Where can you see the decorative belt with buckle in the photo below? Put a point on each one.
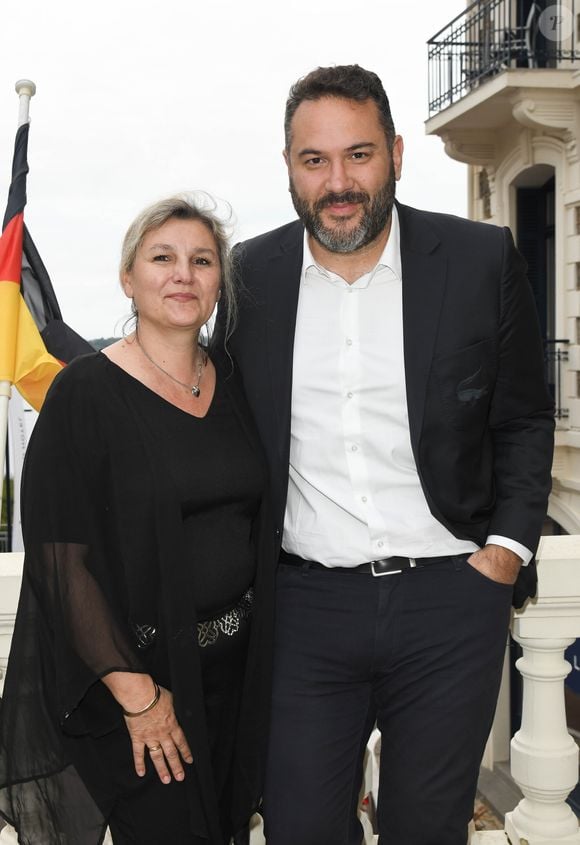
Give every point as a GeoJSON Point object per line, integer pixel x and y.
{"type": "Point", "coordinates": [208, 630]}
{"type": "Point", "coordinates": [228, 623]}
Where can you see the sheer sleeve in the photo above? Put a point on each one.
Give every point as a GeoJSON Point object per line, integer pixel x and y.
{"type": "Point", "coordinates": [72, 565]}
{"type": "Point", "coordinates": [71, 626]}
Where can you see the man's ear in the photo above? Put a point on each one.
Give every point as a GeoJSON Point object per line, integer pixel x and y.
{"type": "Point", "coordinates": [398, 148]}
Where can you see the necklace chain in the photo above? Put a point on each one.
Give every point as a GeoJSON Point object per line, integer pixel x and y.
{"type": "Point", "coordinates": [194, 389]}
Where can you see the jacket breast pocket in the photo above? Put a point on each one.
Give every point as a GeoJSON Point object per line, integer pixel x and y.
{"type": "Point", "coordinates": [465, 379]}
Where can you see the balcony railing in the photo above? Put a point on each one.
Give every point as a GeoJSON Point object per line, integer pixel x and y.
{"type": "Point", "coordinates": [555, 356]}
{"type": "Point", "coordinates": [488, 38]}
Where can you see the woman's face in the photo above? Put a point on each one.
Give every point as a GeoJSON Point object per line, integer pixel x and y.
{"type": "Point", "coordinates": [175, 279]}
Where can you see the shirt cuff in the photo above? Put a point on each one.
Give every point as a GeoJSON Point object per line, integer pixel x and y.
{"type": "Point", "coordinates": [525, 554]}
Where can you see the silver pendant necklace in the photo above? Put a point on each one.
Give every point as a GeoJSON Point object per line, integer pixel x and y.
{"type": "Point", "coordinates": [194, 389]}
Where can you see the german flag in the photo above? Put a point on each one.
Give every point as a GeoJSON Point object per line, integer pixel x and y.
{"type": "Point", "coordinates": [34, 342]}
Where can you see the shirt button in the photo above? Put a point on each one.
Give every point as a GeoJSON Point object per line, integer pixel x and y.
{"type": "Point", "coordinates": [349, 394]}
{"type": "Point", "coordinates": [380, 544]}
{"type": "Point", "coordinates": [354, 448]}
{"type": "Point", "coordinates": [364, 498]}
{"type": "Point", "coordinates": [349, 341]}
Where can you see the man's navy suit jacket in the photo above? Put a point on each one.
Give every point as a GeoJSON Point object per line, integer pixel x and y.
{"type": "Point", "coordinates": [480, 417]}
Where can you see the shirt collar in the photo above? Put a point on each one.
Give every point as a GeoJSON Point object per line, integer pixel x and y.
{"type": "Point", "coordinates": [390, 257]}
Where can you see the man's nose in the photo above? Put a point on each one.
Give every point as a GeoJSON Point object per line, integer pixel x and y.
{"type": "Point", "coordinates": [339, 178]}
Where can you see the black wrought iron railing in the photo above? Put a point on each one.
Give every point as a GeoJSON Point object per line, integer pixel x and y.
{"type": "Point", "coordinates": [491, 36]}
{"type": "Point", "coordinates": [555, 355]}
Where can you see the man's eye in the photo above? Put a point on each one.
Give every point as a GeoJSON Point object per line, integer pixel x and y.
{"type": "Point", "coordinates": [314, 162]}
{"type": "Point", "coordinates": [358, 156]}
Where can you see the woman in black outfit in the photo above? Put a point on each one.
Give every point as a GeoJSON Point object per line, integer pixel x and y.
{"type": "Point", "coordinates": [139, 676]}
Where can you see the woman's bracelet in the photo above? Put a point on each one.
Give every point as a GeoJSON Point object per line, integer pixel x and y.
{"type": "Point", "coordinates": [149, 707]}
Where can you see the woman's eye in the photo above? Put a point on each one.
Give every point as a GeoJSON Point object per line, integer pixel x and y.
{"type": "Point", "coordinates": [161, 258]}
{"type": "Point", "coordinates": [204, 262]}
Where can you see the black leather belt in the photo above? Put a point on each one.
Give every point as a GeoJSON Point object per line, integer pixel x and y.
{"type": "Point", "coordinates": [382, 566]}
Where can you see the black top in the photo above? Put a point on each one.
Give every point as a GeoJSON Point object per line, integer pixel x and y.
{"type": "Point", "coordinates": [106, 549]}
{"type": "Point", "coordinates": [218, 480]}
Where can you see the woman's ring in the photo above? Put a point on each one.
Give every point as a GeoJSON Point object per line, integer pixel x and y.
{"type": "Point", "coordinates": [154, 748]}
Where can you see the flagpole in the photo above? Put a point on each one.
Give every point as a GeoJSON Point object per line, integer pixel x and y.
{"type": "Point", "coordinates": [25, 89]}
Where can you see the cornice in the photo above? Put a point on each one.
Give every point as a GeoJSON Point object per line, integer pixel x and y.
{"type": "Point", "coordinates": [470, 146]}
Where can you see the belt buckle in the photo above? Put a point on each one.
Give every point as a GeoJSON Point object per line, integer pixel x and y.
{"type": "Point", "coordinates": [412, 563]}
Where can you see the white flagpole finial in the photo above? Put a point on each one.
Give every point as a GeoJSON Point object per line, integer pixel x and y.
{"type": "Point", "coordinates": [25, 89]}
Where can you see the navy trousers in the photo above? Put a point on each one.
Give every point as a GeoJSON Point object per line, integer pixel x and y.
{"type": "Point", "coordinates": [419, 653]}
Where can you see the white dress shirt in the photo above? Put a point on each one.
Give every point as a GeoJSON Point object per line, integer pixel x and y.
{"type": "Point", "coordinates": [354, 492]}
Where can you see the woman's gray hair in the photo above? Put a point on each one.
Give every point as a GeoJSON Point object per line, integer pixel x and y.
{"type": "Point", "coordinates": [196, 205]}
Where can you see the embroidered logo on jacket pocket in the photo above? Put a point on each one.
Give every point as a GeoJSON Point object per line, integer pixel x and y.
{"type": "Point", "coordinates": [465, 380]}
{"type": "Point", "coordinates": [468, 391]}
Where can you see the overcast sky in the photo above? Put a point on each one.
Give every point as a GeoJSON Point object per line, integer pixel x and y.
{"type": "Point", "coordinates": [138, 100]}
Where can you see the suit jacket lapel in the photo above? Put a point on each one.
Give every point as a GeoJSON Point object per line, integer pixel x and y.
{"type": "Point", "coordinates": [424, 268]}
{"type": "Point", "coordinates": [232, 386]}
{"type": "Point", "coordinates": [283, 285]}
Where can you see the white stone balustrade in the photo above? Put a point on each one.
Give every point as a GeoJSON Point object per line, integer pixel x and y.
{"type": "Point", "coordinates": [10, 577]}
{"type": "Point", "coordinates": [544, 757]}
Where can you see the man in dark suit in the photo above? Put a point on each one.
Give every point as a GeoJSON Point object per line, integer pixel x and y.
{"type": "Point", "coordinates": [393, 363]}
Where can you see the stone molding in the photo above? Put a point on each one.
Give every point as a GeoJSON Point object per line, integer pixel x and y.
{"type": "Point", "coordinates": [546, 111]}
{"type": "Point", "coordinates": [470, 146]}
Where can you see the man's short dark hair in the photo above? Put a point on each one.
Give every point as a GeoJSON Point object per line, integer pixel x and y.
{"type": "Point", "coordinates": [348, 82]}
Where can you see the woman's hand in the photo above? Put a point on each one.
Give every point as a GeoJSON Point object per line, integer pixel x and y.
{"type": "Point", "coordinates": [158, 734]}
{"type": "Point", "coordinates": [156, 731]}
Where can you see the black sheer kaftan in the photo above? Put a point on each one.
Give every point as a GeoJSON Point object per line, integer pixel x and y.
{"type": "Point", "coordinates": [105, 551]}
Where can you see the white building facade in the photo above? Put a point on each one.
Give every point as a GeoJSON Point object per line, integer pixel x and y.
{"type": "Point", "coordinates": [505, 99]}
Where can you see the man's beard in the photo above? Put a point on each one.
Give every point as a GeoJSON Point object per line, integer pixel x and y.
{"type": "Point", "coordinates": [339, 238]}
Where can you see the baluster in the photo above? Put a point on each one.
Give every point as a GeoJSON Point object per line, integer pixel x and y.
{"type": "Point", "coordinates": [544, 757]}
